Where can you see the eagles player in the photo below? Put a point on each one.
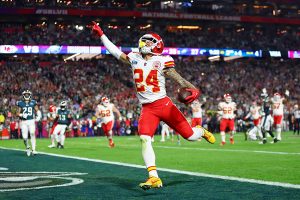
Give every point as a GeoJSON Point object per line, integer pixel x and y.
{"type": "Point", "coordinates": [150, 69]}
{"type": "Point", "coordinates": [28, 112]}
{"type": "Point", "coordinates": [267, 120]}
{"type": "Point", "coordinates": [63, 120]}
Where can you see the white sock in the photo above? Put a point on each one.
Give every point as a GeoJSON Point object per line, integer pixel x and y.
{"type": "Point", "coordinates": [278, 135]}
{"type": "Point", "coordinates": [223, 136]}
{"type": "Point", "coordinates": [162, 136]}
{"type": "Point", "coordinates": [52, 139]}
{"type": "Point", "coordinates": [62, 139]}
{"type": "Point", "coordinates": [198, 132]}
{"type": "Point", "coordinates": [33, 143]}
{"type": "Point", "coordinates": [148, 155]}
{"type": "Point", "coordinates": [26, 143]}
{"type": "Point", "coordinates": [109, 134]}
{"type": "Point", "coordinates": [57, 138]}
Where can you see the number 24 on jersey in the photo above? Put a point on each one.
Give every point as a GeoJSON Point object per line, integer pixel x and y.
{"type": "Point", "coordinates": [151, 80]}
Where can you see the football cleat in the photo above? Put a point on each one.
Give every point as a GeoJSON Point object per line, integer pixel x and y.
{"type": "Point", "coordinates": [222, 143]}
{"type": "Point", "coordinates": [152, 182]}
{"type": "Point", "coordinates": [58, 145]}
{"type": "Point", "coordinates": [51, 146]}
{"type": "Point", "coordinates": [263, 142]}
{"type": "Point", "coordinates": [28, 152]}
{"type": "Point", "coordinates": [231, 141]}
{"type": "Point", "coordinates": [274, 141]}
{"type": "Point", "coordinates": [208, 136]}
{"type": "Point", "coordinates": [34, 153]}
{"type": "Point", "coordinates": [111, 144]}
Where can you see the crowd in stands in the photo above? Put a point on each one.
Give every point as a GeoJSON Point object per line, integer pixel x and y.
{"type": "Point", "coordinates": [249, 37]}
{"type": "Point", "coordinates": [272, 8]}
{"type": "Point", "coordinates": [83, 83]}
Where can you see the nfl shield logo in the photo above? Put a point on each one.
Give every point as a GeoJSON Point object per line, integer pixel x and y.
{"type": "Point", "coordinates": [156, 65]}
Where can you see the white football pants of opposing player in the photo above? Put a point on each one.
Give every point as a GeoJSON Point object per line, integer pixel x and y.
{"type": "Point", "coordinates": [255, 132]}
{"type": "Point", "coordinates": [28, 126]}
{"type": "Point", "coordinates": [60, 128]}
{"type": "Point", "coordinates": [165, 131]}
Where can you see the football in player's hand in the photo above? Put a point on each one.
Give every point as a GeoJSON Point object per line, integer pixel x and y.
{"type": "Point", "coordinates": [182, 94]}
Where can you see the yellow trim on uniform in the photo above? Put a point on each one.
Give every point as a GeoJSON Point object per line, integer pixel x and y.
{"type": "Point", "coordinates": [151, 168]}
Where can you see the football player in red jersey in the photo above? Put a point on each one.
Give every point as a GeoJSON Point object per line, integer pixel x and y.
{"type": "Point", "coordinates": [104, 111]}
{"type": "Point", "coordinates": [150, 69]}
{"type": "Point", "coordinates": [53, 123]}
{"type": "Point", "coordinates": [226, 110]}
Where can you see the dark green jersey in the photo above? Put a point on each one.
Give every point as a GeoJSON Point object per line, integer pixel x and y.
{"type": "Point", "coordinates": [28, 111]}
{"type": "Point", "coordinates": [63, 116]}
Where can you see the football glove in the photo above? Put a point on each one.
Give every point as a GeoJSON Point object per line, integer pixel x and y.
{"type": "Point", "coordinates": [24, 116]}
{"type": "Point", "coordinates": [195, 94]}
{"type": "Point", "coordinates": [287, 93]}
{"type": "Point", "coordinates": [96, 29]}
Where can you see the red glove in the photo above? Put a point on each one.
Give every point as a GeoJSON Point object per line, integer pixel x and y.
{"type": "Point", "coordinates": [195, 94]}
{"type": "Point", "coordinates": [96, 29]}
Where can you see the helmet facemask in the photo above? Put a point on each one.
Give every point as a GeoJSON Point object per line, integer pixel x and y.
{"type": "Point", "coordinates": [277, 96]}
{"type": "Point", "coordinates": [151, 44]}
{"type": "Point", "coordinates": [26, 95]}
{"type": "Point", "coordinates": [105, 101]}
{"type": "Point", "coordinates": [227, 98]}
{"type": "Point", "coordinates": [63, 105]}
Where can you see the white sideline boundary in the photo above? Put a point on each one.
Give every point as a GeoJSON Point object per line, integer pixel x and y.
{"type": "Point", "coordinates": [231, 150]}
{"type": "Point", "coordinates": [231, 178]}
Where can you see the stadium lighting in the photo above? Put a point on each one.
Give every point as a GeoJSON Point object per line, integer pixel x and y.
{"type": "Point", "coordinates": [72, 56]}
{"type": "Point", "coordinates": [188, 27]}
{"type": "Point", "coordinates": [231, 58]}
{"type": "Point", "coordinates": [214, 58]}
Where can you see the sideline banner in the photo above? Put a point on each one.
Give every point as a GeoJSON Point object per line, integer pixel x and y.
{"type": "Point", "coordinates": [65, 49]}
{"type": "Point", "coordinates": [141, 14]}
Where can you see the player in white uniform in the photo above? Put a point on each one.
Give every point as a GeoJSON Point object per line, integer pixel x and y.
{"type": "Point", "coordinates": [226, 110]}
{"type": "Point", "coordinates": [149, 69]}
{"type": "Point", "coordinates": [255, 115]}
{"type": "Point", "coordinates": [196, 113]}
{"type": "Point", "coordinates": [29, 113]}
{"type": "Point", "coordinates": [277, 107]}
{"type": "Point", "coordinates": [296, 119]}
{"type": "Point", "coordinates": [104, 112]}
{"type": "Point", "coordinates": [165, 131]}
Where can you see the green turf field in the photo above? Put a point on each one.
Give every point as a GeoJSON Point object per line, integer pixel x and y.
{"type": "Point", "coordinates": [192, 170]}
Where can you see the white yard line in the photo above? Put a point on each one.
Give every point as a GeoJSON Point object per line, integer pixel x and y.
{"type": "Point", "coordinates": [261, 182]}
{"type": "Point", "coordinates": [230, 150]}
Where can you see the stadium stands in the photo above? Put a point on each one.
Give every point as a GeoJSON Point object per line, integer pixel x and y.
{"type": "Point", "coordinates": [217, 35]}
{"type": "Point", "coordinates": [82, 83]}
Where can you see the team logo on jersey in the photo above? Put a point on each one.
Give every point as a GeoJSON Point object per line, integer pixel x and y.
{"type": "Point", "coordinates": [156, 65]}
{"type": "Point", "coordinates": [14, 181]}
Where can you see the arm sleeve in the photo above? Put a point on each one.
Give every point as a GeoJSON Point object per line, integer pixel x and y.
{"type": "Point", "coordinates": [115, 51]}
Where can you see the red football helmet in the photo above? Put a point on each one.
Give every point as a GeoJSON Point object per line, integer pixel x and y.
{"type": "Point", "coordinates": [105, 101]}
{"type": "Point", "coordinates": [151, 44]}
{"type": "Point", "coordinates": [52, 108]}
{"type": "Point", "coordinates": [277, 96]}
{"type": "Point", "coordinates": [227, 98]}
